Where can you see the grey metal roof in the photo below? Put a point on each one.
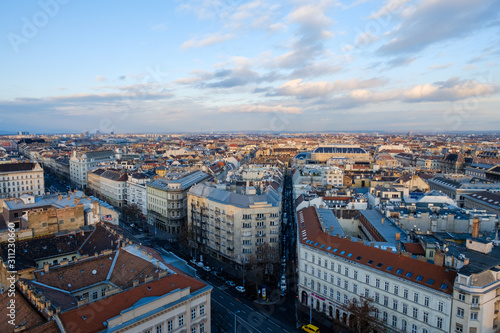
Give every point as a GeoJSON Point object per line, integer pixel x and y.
{"type": "Point", "coordinates": [387, 229]}
{"type": "Point", "coordinates": [185, 182]}
{"type": "Point", "coordinates": [235, 199]}
{"type": "Point", "coordinates": [330, 222]}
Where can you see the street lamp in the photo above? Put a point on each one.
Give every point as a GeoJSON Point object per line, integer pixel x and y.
{"type": "Point", "coordinates": [235, 320]}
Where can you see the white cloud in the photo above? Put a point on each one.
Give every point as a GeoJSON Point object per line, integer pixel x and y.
{"type": "Point", "coordinates": [261, 109]}
{"type": "Point", "coordinates": [323, 88]}
{"type": "Point", "coordinates": [100, 78]}
{"type": "Point", "coordinates": [207, 40]}
{"type": "Point", "coordinates": [437, 67]}
{"type": "Point", "coordinates": [390, 7]}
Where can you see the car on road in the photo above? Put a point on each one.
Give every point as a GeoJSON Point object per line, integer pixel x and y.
{"type": "Point", "coordinates": [214, 273]}
{"type": "Point", "coordinates": [207, 269]}
{"type": "Point", "coordinates": [230, 283]}
{"type": "Point", "coordinates": [310, 328]}
{"type": "Point", "coordinates": [193, 261]}
{"type": "Point", "coordinates": [241, 289]}
{"type": "Point", "coordinates": [199, 264]}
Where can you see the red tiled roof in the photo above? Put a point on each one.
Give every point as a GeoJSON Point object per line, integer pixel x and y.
{"type": "Point", "coordinates": [25, 312]}
{"type": "Point", "coordinates": [310, 231]}
{"type": "Point", "coordinates": [414, 248]}
{"type": "Point", "coordinates": [114, 304]}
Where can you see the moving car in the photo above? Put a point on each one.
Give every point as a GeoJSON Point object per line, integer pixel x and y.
{"type": "Point", "coordinates": [230, 283]}
{"type": "Point", "coordinates": [310, 328]}
{"type": "Point", "coordinates": [207, 269]}
{"type": "Point", "coordinates": [241, 289]}
{"type": "Point", "coordinates": [199, 264]}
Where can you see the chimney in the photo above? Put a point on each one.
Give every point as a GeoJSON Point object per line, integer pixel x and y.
{"type": "Point", "coordinates": [475, 228]}
{"type": "Point", "coordinates": [398, 236]}
{"type": "Point", "coordinates": [382, 221]}
{"type": "Point", "coordinates": [439, 258]}
{"type": "Point", "coordinates": [46, 267]}
{"type": "Point", "coordinates": [60, 197]}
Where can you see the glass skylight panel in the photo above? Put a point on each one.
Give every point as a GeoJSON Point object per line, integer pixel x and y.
{"type": "Point", "coordinates": [420, 278]}
{"type": "Point", "coordinates": [409, 274]}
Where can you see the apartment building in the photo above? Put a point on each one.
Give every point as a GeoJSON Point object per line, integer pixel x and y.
{"type": "Point", "coordinates": [80, 164]}
{"type": "Point", "coordinates": [324, 152]}
{"type": "Point", "coordinates": [109, 185]}
{"type": "Point", "coordinates": [235, 227]}
{"type": "Point", "coordinates": [484, 200]}
{"type": "Point", "coordinates": [136, 191]}
{"type": "Point", "coordinates": [17, 179]}
{"type": "Point", "coordinates": [476, 303]}
{"type": "Point", "coordinates": [137, 289]}
{"type": "Point", "coordinates": [167, 201]}
{"type": "Point", "coordinates": [456, 188]}
{"type": "Point", "coordinates": [409, 295]}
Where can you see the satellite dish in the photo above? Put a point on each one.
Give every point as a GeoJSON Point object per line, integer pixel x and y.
{"type": "Point", "coordinates": [94, 272]}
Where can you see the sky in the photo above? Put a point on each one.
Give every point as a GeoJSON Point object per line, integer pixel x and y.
{"type": "Point", "coordinates": [231, 65]}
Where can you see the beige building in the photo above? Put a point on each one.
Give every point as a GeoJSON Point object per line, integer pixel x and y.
{"type": "Point", "coordinates": [80, 164]}
{"type": "Point", "coordinates": [167, 201]}
{"type": "Point", "coordinates": [109, 185]}
{"type": "Point", "coordinates": [21, 178]}
{"type": "Point", "coordinates": [235, 227]}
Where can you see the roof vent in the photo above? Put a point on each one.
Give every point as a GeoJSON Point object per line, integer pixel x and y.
{"type": "Point", "coordinates": [94, 272]}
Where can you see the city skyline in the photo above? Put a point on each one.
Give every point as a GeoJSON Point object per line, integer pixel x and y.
{"type": "Point", "coordinates": [203, 66]}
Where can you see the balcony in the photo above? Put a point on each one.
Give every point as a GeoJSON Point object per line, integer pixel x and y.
{"type": "Point", "coordinates": [260, 234]}
{"type": "Point", "coordinates": [474, 306]}
{"type": "Point", "coordinates": [260, 227]}
{"type": "Point", "coordinates": [262, 218]}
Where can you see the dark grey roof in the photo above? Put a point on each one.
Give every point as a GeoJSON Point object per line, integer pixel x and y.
{"type": "Point", "coordinates": [235, 199]}
{"type": "Point", "coordinates": [11, 167]}
{"type": "Point", "coordinates": [486, 198]}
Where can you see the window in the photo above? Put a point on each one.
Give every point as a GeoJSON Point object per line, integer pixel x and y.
{"type": "Point", "coordinates": [377, 283]}
{"type": "Point", "coordinates": [193, 329]}
{"type": "Point", "coordinates": [181, 320]}
{"type": "Point", "coordinates": [159, 329]}
{"type": "Point", "coordinates": [338, 282]}
{"type": "Point", "coordinates": [338, 296]}
{"type": "Point", "coordinates": [439, 323]}
{"type": "Point", "coordinates": [473, 316]}
{"type": "Point", "coordinates": [426, 301]}
{"type": "Point", "coordinates": [332, 266]}
{"type": "Point", "coordinates": [355, 288]}
{"type": "Point", "coordinates": [325, 276]}
{"type": "Point", "coordinates": [413, 328]}
{"type": "Point", "coordinates": [386, 286]}
{"type": "Point", "coordinates": [319, 273]}
{"type": "Point", "coordinates": [332, 279]}
{"type": "Point", "coordinates": [459, 328]}
{"type": "Point", "coordinates": [103, 292]}
{"type": "Point", "coordinates": [403, 325]}
{"type": "Point", "coordinates": [94, 295]}
{"type": "Point", "coordinates": [331, 293]}
{"type": "Point", "coordinates": [426, 317]}
{"type": "Point", "coordinates": [460, 312]}
{"type": "Point", "coordinates": [346, 271]}
{"type": "Point", "coordinates": [377, 297]}
{"type": "Point", "coordinates": [193, 313]}
{"type": "Point", "coordinates": [384, 317]}
{"type": "Point", "coordinates": [415, 313]}
{"type": "Point", "coordinates": [395, 304]}
{"type": "Point", "coordinates": [345, 299]}
{"type": "Point", "coordinates": [441, 306]}
{"type": "Point", "coordinates": [475, 301]}
{"type": "Point", "coordinates": [325, 289]}
{"type": "Point", "coordinates": [396, 290]}
{"type": "Point", "coordinates": [415, 297]}
{"type": "Point", "coordinates": [394, 321]}
{"type": "Point", "coordinates": [376, 313]}
{"type": "Point", "coordinates": [386, 301]}
{"type": "Point", "coordinates": [461, 297]}
{"type": "Point", "coordinates": [405, 293]}
{"type": "Point", "coordinates": [202, 328]}
{"type": "Point", "coordinates": [346, 284]}
{"type": "Point", "coordinates": [367, 279]}
{"type": "Point", "coordinates": [355, 275]}
{"type": "Point", "coordinates": [202, 310]}
{"type": "Point", "coordinates": [405, 308]}
{"type": "Point", "coordinates": [367, 293]}
{"type": "Point", "coordinates": [339, 268]}
{"type": "Point", "coordinates": [170, 325]}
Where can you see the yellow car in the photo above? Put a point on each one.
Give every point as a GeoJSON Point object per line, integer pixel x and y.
{"type": "Point", "coordinates": [310, 328]}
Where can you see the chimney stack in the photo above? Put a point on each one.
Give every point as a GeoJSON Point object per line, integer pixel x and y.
{"type": "Point", "coordinates": [475, 228]}
{"type": "Point", "coordinates": [46, 267]}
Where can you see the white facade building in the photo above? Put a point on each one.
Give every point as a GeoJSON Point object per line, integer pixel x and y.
{"type": "Point", "coordinates": [21, 178]}
{"type": "Point", "coordinates": [79, 165]}
{"type": "Point", "coordinates": [136, 191]}
{"type": "Point", "coordinates": [410, 295]}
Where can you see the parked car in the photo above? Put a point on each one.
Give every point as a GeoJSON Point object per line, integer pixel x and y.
{"type": "Point", "coordinates": [193, 261]}
{"type": "Point", "coordinates": [207, 269]}
{"type": "Point", "coordinates": [310, 328]}
{"type": "Point", "coordinates": [230, 283]}
{"type": "Point", "coordinates": [199, 264]}
{"type": "Point", "coordinates": [241, 289]}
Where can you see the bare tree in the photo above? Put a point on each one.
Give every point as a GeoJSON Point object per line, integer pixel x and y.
{"type": "Point", "coordinates": [363, 318]}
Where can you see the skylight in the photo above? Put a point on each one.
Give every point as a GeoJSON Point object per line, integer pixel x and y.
{"type": "Point", "coordinates": [349, 255]}
{"type": "Point", "coordinates": [316, 244]}
{"type": "Point", "coordinates": [389, 268]}
{"type": "Point", "coordinates": [430, 282]}
{"type": "Point", "coordinates": [409, 274]}
{"type": "Point", "coordinates": [444, 286]}
{"type": "Point", "coordinates": [322, 246]}
{"type": "Point", "coordinates": [342, 252]}
{"type": "Point", "coordinates": [420, 278]}
{"type": "Point", "coordinates": [379, 264]}
{"type": "Point", "coordinates": [329, 248]}
{"type": "Point", "coordinates": [335, 250]}
{"type": "Point", "coordinates": [370, 262]}
{"type": "Point", "coordinates": [358, 258]}
{"type": "Point", "coordinates": [399, 271]}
